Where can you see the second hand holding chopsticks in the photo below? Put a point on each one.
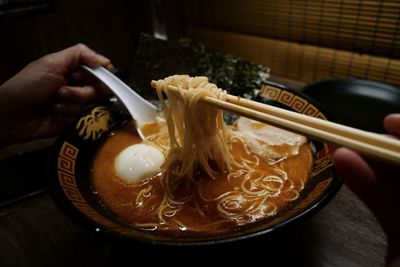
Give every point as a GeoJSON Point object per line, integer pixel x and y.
{"type": "Point", "coordinates": [367, 143]}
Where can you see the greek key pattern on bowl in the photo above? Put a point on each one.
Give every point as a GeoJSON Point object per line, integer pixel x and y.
{"type": "Point", "coordinates": [67, 157]}
{"type": "Point", "coordinates": [67, 179]}
{"type": "Point", "coordinates": [292, 100]}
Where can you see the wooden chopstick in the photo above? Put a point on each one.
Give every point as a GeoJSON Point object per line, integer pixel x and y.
{"type": "Point", "coordinates": [367, 143]}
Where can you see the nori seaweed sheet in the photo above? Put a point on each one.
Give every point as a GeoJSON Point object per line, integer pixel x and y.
{"type": "Point", "coordinates": [156, 59]}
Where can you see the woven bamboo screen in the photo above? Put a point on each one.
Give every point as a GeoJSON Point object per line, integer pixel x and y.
{"type": "Point", "coordinates": [304, 40]}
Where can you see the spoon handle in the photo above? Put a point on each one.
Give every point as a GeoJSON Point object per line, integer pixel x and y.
{"type": "Point", "coordinates": [141, 110]}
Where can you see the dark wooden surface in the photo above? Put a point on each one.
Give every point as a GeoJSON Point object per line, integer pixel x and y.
{"type": "Point", "coordinates": [35, 232]}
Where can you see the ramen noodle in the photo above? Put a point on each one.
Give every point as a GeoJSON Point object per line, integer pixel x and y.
{"type": "Point", "coordinates": [200, 175]}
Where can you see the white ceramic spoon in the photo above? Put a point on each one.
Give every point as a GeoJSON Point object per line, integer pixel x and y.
{"type": "Point", "coordinates": [140, 109]}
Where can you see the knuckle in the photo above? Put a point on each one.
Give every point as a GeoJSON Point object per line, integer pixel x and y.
{"type": "Point", "coordinates": [81, 46]}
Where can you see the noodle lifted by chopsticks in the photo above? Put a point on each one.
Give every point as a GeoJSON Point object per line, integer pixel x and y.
{"type": "Point", "coordinates": [198, 134]}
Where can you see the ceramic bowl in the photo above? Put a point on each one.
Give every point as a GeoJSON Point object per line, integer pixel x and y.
{"type": "Point", "coordinates": [342, 96]}
{"type": "Point", "coordinates": [71, 161]}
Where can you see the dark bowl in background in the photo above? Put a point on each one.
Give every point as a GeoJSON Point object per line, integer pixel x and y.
{"type": "Point", "coordinates": [358, 103]}
{"type": "Point", "coordinates": [71, 160]}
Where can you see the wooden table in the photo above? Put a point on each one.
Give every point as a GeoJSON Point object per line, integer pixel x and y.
{"type": "Point", "coordinates": [35, 232]}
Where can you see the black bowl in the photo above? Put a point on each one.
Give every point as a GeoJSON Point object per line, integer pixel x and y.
{"type": "Point", "coordinates": [358, 103]}
{"type": "Point", "coordinates": [69, 177]}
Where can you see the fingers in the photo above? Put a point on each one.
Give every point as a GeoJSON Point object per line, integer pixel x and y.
{"type": "Point", "coordinates": [81, 54]}
{"type": "Point", "coordinates": [71, 110]}
{"type": "Point", "coordinates": [78, 95]}
{"type": "Point", "coordinates": [83, 94]}
{"type": "Point", "coordinates": [89, 57]}
{"type": "Point", "coordinates": [392, 124]}
{"type": "Point", "coordinates": [75, 100]}
{"type": "Point", "coordinates": [356, 172]}
{"type": "Point", "coordinates": [70, 59]}
{"type": "Point", "coordinates": [82, 77]}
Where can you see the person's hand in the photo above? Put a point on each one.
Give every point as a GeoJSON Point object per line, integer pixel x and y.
{"type": "Point", "coordinates": [378, 186]}
{"type": "Point", "coordinates": [48, 94]}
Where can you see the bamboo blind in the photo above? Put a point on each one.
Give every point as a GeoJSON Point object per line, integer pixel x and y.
{"type": "Point", "coordinates": [305, 40]}
{"type": "Point", "coordinates": [305, 63]}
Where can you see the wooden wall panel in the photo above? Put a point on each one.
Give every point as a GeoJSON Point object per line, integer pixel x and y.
{"type": "Point", "coordinates": [370, 27]}
{"type": "Point", "coordinates": [299, 62]}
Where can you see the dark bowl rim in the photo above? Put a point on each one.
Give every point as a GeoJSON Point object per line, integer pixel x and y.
{"type": "Point", "coordinates": [300, 92]}
{"type": "Point", "coordinates": [348, 80]}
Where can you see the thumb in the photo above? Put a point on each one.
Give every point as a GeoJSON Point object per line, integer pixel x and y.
{"type": "Point", "coordinates": [73, 57]}
{"type": "Point", "coordinates": [392, 124]}
{"type": "Point", "coordinates": [357, 174]}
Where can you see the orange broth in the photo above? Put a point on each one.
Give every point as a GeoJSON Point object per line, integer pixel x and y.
{"type": "Point", "coordinates": [137, 203]}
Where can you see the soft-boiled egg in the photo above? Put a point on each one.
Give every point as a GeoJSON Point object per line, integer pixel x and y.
{"type": "Point", "coordinates": [269, 141]}
{"type": "Point", "coordinates": [137, 162]}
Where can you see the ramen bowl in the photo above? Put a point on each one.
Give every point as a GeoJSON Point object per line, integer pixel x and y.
{"type": "Point", "coordinates": [74, 151]}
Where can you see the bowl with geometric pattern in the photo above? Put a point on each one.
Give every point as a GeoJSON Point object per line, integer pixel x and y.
{"type": "Point", "coordinates": [74, 152]}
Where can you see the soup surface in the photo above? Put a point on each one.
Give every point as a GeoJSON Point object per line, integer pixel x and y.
{"type": "Point", "coordinates": [203, 204]}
